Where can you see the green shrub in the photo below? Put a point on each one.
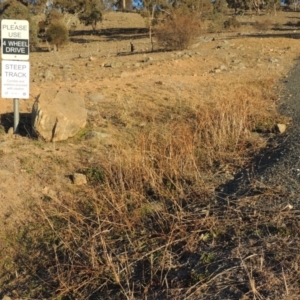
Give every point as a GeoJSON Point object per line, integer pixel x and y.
{"type": "Point", "coordinates": [57, 34]}
{"type": "Point", "coordinates": [177, 33]}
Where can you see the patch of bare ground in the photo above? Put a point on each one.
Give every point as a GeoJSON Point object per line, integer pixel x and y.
{"type": "Point", "coordinates": [171, 128]}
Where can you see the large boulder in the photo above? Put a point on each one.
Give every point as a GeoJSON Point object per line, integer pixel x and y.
{"type": "Point", "coordinates": [58, 115]}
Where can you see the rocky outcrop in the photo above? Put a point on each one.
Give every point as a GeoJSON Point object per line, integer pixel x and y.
{"type": "Point", "coordinates": [58, 115]}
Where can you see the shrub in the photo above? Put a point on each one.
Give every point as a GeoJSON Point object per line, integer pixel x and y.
{"type": "Point", "coordinates": [262, 26]}
{"type": "Point", "coordinates": [53, 16]}
{"type": "Point", "coordinates": [220, 6]}
{"type": "Point", "coordinates": [217, 23]}
{"type": "Point", "coordinates": [57, 34]}
{"type": "Point", "coordinates": [178, 32]}
{"type": "Point", "coordinates": [232, 23]}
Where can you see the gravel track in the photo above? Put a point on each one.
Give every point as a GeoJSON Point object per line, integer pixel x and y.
{"type": "Point", "coordinates": [277, 166]}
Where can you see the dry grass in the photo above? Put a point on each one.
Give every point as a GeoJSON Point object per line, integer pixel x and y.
{"type": "Point", "coordinates": [125, 235]}
{"type": "Point", "coordinates": [149, 225]}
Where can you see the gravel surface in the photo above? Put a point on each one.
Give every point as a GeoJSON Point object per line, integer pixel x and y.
{"type": "Point", "coordinates": [278, 166]}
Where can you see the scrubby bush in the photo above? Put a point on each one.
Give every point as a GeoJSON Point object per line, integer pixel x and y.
{"type": "Point", "coordinates": [232, 23]}
{"type": "Point", "coordinates": [220, 6]}
{"type": "Point", "coordinates": [263, 26]}
{"type": "Point", "coordinates": [178, 32]}
{"type": "Point", "coordinates": [217, 23]}
{"type": "Point", "coordinates": [18, 11]}
{"type": "Point", "coordinates": [57, 34]}
{"type": "Point", "coordinates": [53, 16]}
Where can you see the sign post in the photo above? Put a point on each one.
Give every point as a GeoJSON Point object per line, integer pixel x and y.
{"type": "Point", "coordinates": [15, 68]}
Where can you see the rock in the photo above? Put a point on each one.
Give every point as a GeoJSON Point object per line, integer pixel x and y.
{"type": "Point", "coordinates": [6, 298]}
{"type": "Point", "coordinates": [96, 97]}
{"type": "Point", "coordinates": [116, 65]}
{"type": "Point", "coordinates": [10, 131]}
{"type": "Point", "coordinates": [273, 60]}
{"type": "Point", "coordinates": [58, 115]}
{"type": "Point", "coordinates": [48, 75]}
{"type": "Point", "coordinates": [125, 74]}
{"type": "Point", "coordinates": [92, 113]}
{"type": "Point", "coordinates": [66, 67]}
{"type": "Point", "coordinates": [149, 58]}
{"type": "Point", "coordinates": [281, 128]}
{"type": "Point", "coordinates": [223, 68]}
{"type": "Point", "coordinates": [79, 179]}
{"type": "Point", "coordinates": [97, 134]}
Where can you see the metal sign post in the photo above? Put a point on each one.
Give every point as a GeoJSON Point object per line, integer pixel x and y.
{"type": "Point", "coordinates": [16, 115]}
{"type": "Point", "coordinates": [15, 71]}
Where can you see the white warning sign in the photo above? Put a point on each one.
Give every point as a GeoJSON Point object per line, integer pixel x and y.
{"type": "Point", "coordinates": [15, 39]}
{"type": "Point", "coordinates": [15, 79]}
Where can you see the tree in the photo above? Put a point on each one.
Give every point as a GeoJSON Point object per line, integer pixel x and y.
{"type": "Point", "coordinates": [125, 5]}
{"type": "Point", "coordinates": [18, 11]}
{"type": "Point", "coordinates": [92, 13]}
{"type": "Point", "coordinates": [89, 12]}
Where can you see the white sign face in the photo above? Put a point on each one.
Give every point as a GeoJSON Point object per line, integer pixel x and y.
{"type": "Point", "coordinates": [15, 39]}
{"type": "Point", "coordinates": [15, 79]}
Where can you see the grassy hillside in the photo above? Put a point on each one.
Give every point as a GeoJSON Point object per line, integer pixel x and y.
{"type": "Point", "coordinates": [166, 131]}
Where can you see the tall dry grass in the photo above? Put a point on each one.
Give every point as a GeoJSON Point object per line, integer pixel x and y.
{"type": "Point", "coordinates": [147, 226]}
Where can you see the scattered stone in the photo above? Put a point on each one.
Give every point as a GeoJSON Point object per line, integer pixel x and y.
{"type": "Point", "coordinates": [66, 67]}
{"type": "Point", "coordinates": [97, 134]}
{"type": "Point", "coordinates": [147, 59]}
{"type": "Point", "coordinates": [185, 56]}
{"type": "Point", "coordinates": [95, 97]}
{"type": "Point", "coordinates": [223, 68]}
{"type": "Point", "coordinates": [58, 115]}
{"type": "Point", "coordinates": [281, 128]}
{"type": "Point", "coordinates": [124, 74]}
{"type": "Point", "coordinates": [188, 53]}
{"type": "Point", "coordinates": [273, 60]}
{"type": "Point", "coordinates": [241, 66]}
{"type": "Point", "coordinates": [107, 65]}
{"type": "Point", "coordinates": [48, 75]}
{"type": "Point", "coordinates": [49, 193]}
{"type": "Point", "coordinates": [92, 113]}
{"type": "Point", "coordinates": [116, 65]}
{"type": "Point", "coordinates": [79, 179]}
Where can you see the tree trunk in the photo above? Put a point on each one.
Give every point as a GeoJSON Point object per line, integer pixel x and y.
{"type": "Point", "coordinates": [150, 27]}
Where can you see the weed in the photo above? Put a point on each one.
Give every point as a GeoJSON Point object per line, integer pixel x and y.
{"type": "Point", "coordinates": [207, 258]}
{"type": "Point", "coordinates": [94, 175]}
